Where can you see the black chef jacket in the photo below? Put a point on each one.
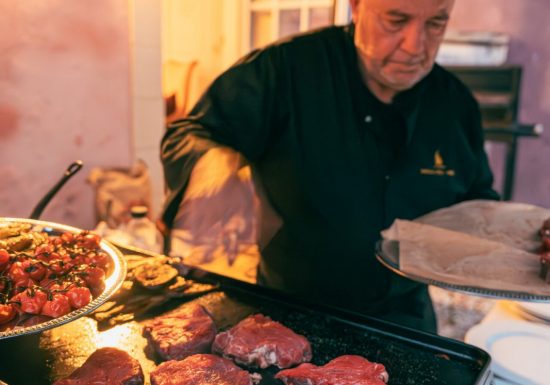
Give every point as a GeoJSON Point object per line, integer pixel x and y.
{"type": "Point", "coordinates": [337, 165]}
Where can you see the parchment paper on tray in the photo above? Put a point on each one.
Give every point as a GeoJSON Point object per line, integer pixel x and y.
{"type": "Point", "coordinates": [459, 258]}
{"type": "Point", "coordinates": [514, 224]}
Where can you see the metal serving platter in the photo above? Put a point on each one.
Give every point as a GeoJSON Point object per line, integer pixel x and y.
{"type": "Point", "coordinates": [387, 252]}
{"type": "Point", "coordinates": [114, 277]}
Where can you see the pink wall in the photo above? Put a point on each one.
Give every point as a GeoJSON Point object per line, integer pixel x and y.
{"type": "Point", "coordinates": [526, 21]}
{"type": "Point", "coordinates": [65, 95]}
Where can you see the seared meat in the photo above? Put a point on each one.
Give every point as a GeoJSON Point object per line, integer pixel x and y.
{"type": "Point", "coordinates": [344, 370]}
{"type": "Point", "coordinates": [106, 366]}
{"type": "Point", "coordinates": [261, 342]}
{"type": "Point", "coordinates": [200, 369]}
{"type": "Point", "coordinates": [187, 330]}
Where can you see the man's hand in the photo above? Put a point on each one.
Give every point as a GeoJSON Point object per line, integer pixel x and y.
{"type": "Point", "coordinates": [218, 208]}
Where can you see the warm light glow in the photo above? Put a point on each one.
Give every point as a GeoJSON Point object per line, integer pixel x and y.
{"type": "Point", "coordinates": [176, 77]}
{"type": "Point", "coordinates": [117, 337]}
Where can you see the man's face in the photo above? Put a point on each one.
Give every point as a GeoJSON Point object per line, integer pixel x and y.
{"type": "Point", "coordinates": [397, 40]}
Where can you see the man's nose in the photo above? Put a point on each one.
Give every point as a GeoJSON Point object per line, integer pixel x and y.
{"type": "Point", "coordinates": [414, 40]}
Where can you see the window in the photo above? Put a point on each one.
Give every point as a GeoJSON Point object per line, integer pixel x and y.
{"type": "Point", "coordinates": [269, 20]}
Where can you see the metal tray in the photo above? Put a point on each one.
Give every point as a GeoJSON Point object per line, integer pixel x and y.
{"type": "Point", "coordinates": [114, 277]}
{"type": "Point", "coordinates": [411, 357]}
{"type": "Point", "coordinates": [387, 252]}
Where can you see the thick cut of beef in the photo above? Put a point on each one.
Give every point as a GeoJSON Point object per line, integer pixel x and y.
{"type": "Point", "coordinates": [200, 369]}
{"type": "Point", "coordinates": [259, 341]}
{"type": "Point", "coordinates": [106, 366]}
{"type": "Point", "coordinates": [187, 330]}
{"type": "Point", "coordinates": [344, 370]}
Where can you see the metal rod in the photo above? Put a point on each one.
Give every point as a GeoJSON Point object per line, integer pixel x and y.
{"type": "Point", "coordinates": [71, 170]}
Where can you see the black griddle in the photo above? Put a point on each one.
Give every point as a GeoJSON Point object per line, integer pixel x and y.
{"type": "Point", "coordinates": [410, 356]}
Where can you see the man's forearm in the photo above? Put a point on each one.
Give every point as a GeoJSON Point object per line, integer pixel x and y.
{"type": "Point", "coordinates": [212, 171]}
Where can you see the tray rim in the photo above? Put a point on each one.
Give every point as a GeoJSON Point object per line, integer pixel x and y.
{"type": "Point", "coordinates": [113, 282]}
{"type": "Point", "coordinates": [383, 250]}
{"type": "Point", "coordinates": [436, 343]}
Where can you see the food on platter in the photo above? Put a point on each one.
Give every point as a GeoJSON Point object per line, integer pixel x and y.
{"type": "Point", "coordinates": [343, 370]}
{"type": "Point", "coordinates": [201, 369]}
{"type": "Point", "coordinates": [258, 341]}
{"type": "Point", "coordinates": [109, 366]}
{"type": "Point", "coordinates": [183, 332]}
{"type": "Point", "coordinates": [43, 277]}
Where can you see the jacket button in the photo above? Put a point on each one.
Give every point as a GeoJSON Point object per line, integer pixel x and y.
{"type": "Point", "coordinates": [368, 119]}
{"type": "Point", "coordinates": [387, 177]}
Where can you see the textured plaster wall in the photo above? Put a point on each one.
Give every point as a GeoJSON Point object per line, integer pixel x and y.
{"type": "Point", "coordinates": [64, 95]}
{"type": "Point", "coordinates": [526, 21]}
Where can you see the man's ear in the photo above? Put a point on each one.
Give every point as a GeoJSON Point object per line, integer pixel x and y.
{"type": "Point", "coordinates": [354, 4]}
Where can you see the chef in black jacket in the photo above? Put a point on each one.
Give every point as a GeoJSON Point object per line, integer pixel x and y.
{"type": "Point", "coordinates": [346, 129]}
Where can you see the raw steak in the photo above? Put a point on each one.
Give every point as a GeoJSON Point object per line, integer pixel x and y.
{"type": "Point", "coordinates": [344, 370]}
{"type": "Point", "coordinates": [187, 330]}
{"type": "Point", "coordinates": [106, 366]}
{"type": "Point", "coordinates": [259, 341]}
{"type": "Point", "coordinates": [200, 369]}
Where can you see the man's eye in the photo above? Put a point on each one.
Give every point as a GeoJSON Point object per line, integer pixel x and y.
{"type": "Point", "coordinates": [436, 27]}
{"type": "Point", "coordinates": [395, 24]}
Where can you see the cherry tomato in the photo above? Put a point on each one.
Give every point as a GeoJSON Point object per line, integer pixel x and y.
{"type": "Point", "coordinates": [57, 287]}
{"type": "Point", "coordinates": [98, 259]}
{"type": "Point", "coordinates": [79, 297]}
{"type": "Point", "coordinates": [58, 306]}
{"type": "Point", "coordinates": [18, 270]}
{"type": "Point", "coordinates": [31, 301]}
{"type": "Point", "coordinates": [7, 312]}
{"type": "Point", "coordinates": [4, 259]}
{"type": "Point", "coordinates": [58, 266]}
{"type": "Point", "coordinates": [43, 251]}
{"type": "Point", "coordinates": [67, 238]}
{"type": "Point", "coordinates": [47, 283]}
{"type": "Point", "coordinates": [36, 270]}
{"type": "Point", "coordinates": [23, 284]}
{"type": "Point", "coordinates": [89, 241]}
{"type": "Point", "coordinates": [93, 276]}
{"type": "Point", "coordinates": [546, 242]}
{"type": "Point", "coordinates": [56, 241]}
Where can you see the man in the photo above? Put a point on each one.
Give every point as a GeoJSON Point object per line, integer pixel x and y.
{"type": "Point", "coordinates": [346, 129]}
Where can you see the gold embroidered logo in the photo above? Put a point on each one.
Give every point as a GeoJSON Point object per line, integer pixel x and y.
{"type": "Point", "coordinates": [439, 167]}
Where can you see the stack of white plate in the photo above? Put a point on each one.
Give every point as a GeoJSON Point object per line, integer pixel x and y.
{"type": "Point", "coordinates": [520, 350]}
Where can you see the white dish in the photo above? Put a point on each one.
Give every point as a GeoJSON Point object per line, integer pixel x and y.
{"type": "Point", "coordinates": [519, 350]}
{"type": "Point", "coordinates": [539, 310]}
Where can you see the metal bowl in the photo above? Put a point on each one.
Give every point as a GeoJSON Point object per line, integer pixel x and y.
{"type": "Point", "coordinates": [114, 277]}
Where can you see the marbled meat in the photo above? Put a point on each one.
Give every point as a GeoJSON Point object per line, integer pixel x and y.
{"type": "Point", "coordinates": [201, 369]}
{"type": "Point", "coordinates": [344, 370]}
{"type": "Point", "coordinates": [106, 366]}
{"type": "Point", "coordinates": [185, 331]}
{"type": "Point", "coordinates": [258, 341]}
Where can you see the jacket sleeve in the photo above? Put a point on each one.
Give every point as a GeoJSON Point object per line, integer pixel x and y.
{"type": "Point", "coordinates": [238, 110]}
{"type": "Point", "coordinates": [482, 186]}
